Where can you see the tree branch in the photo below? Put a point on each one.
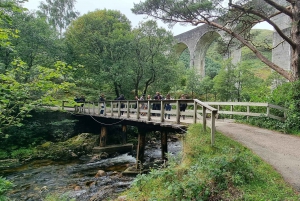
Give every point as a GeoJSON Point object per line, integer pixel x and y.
{"type": "Point", "coordinates": [282, 9]}
{"type": "Point", "coordinates": [286, 38]}
{"type": "Point", "coordinates": [281, 71]}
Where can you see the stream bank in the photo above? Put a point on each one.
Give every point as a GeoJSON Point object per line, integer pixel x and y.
{"type": "Point", "coordinates": [88, 177]}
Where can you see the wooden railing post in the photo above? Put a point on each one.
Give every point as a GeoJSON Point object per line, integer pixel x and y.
{"type": "Point", "coordinates": [248, 111]}
{"type": "Point", "coordinates": [137, 110]}
{"type": "Point", "coordinates": [162, 111]}
{"type": "Point", "coordinates": [119, 108]}
{"type": "Point", "coordinates": [177, 112]}
{"type": "Point", "coordinates": [104, 109]}
{"type": "Point", "coordinates": [195, 113]}
{"type": "Point", "coordinates": [204, 118]}
{"type": "Point", "coordinates": [128, 112]}
{"type": "Point", "coordinates": [148, 111]}
{"type": "Point", "coordinates": [213, 127]}
{"type": "Point", "coordinates": [99, 108]}
{"type": "Point", "coordinates": [63, 105]}
{"type": "Point", "coordinates": [268, 111]}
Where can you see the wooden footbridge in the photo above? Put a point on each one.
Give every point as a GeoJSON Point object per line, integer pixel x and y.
{"type": "Point", "coordinates": [142, 115]}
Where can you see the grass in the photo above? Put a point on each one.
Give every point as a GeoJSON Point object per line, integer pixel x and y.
{"type": "Point", "coordinates": [227, 171]}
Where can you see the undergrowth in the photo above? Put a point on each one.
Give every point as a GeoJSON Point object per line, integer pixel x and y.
{"type": "Point", "coordinates": [227, 171]}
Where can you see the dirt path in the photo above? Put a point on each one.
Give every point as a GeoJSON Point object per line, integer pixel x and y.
{"type": "Point", "coordinates": [279, 150]}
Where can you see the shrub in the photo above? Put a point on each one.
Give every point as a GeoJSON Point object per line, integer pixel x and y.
{"type": "Point", "coordinates": [5, 185]}
{"type": "Point", "coordinates": [3, 154]}
{"type": "Point", "coordinates": [22, 153]}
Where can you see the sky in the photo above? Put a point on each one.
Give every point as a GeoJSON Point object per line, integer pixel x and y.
{"type": "Point", "coordinates": [124, 6]}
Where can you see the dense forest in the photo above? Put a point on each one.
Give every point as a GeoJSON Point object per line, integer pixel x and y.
{"type": "Point", "coordinates": [46, 58]}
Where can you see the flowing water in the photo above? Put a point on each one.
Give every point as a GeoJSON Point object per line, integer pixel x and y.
{"type": "Point", "coordinates": [77, 179]}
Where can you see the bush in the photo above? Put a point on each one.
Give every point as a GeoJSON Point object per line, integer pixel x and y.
{"type": "Point", "coordinates": [22, 153]}
{"type": "Point", "coordinates": [5, 185]}
{"type": "Point", "coordinates": [3, 155]}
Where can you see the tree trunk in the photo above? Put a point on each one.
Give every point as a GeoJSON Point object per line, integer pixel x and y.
{"type": "Point", "coordinates": [116, 90]}
{"type": "Point", "coordinates": [295, 34]}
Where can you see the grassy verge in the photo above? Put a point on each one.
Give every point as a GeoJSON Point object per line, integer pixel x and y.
{"type": "Point", "coordinates": [227, 171]}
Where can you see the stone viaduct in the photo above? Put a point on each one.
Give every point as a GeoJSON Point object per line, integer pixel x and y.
{"type": "Point", "coordinates": [199, 39]}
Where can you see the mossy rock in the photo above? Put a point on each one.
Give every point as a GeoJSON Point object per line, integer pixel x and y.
{"type": "Point", "coordinates": [70, 149]}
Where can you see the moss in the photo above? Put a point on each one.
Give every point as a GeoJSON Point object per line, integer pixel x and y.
{"type": "Point", "coordinates": [69, 149]}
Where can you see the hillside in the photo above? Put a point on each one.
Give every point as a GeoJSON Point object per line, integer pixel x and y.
{"type": "Point", "coordinates": [262, 39]}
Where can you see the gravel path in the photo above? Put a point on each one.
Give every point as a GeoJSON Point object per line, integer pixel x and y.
{"type": "Point", "coordinates": [279, 150]}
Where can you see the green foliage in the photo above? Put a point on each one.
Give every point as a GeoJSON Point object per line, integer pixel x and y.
{"type": "Point", "coordinates": [211, 67]}
{"type": "Point", "coordinates": [293, 104]}
{"type": "Point", "coordinates": [36, 44]}
{"type": "Point", "coordinates": [62, 130]}
{"type": "Point", "coordinates": [5, 185]}
{"type": "Point", "coordinates": [3, 154]}
{"type": "Point", "coordinates": [152, 59]}
{"type": "Point", "coordinates": [22, 153]}
{"type": "Point", "coordinates": [224, 82]}
{"type": "Point", "coordinates": [21, 90]}
{"type": "Point", "coordinates": [265, 122]}
{"type": "Point", "coordinates": [100, 41]}
{"type": "Point", "coordinates": [193, 79]}
{"type": "Point", "coordinates": [227, 172]}
{"type": "Point", "coordinates": [185, 58]}
{"type": "Point", "coordinates": [58, 13]}
{"type": "Point", "coordinates": [6, 7]}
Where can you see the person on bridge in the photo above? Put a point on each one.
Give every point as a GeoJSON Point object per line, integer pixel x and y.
{"type": "Point", "coordinates": [122, 104]}
{"type": "Point", "coordinates": [143, 105]}
{"type": "Point", "coordinates": [102, 102]}
{"type": "Point", "coordinates": [182, 106]}
{"type": "Point", "coordinates": [157, 105]}
{"type": "Point", "coordinates": [168, 106]}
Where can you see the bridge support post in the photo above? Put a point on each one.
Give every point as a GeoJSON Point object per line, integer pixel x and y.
{"type": "Point", "coordinates": [124, 134]}
{"type": "Point", "coordinates": [103, 136]}
{"type": "Point", "coordinates": [164, 145]}
{"type": "Point", "coordinates": [140, 149]}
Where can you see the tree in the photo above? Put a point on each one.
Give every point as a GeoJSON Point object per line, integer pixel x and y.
{"type": "Point", "coordinates": [153, 59]}
{"type": "Point", "coordinates": [224, 82]}
{"type": "Point", "coordinates": [206, 85]}
{"type": "Point", "coordinates": [59, 13]}
{"type": "Point", "coordinates": [193, 79]}
{"type": "Point", "coordinates": [100, 40]}
{"type": "Point", "coordinates": [6, 8]}
{"type": "Point", "coordinates": [236, 20]}
{"type": "Point", "coordinates": [37, 42]}
{"type": "Point", "coordinates": [21, 90]}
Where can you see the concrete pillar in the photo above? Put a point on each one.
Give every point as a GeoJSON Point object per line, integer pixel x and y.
{"type": "Point", "coordinates": [124, 134]}
{"type": "Point", "coordinates": [164, 145]}
{"type": "Point", "coordinates": [103, 136]}
{"type": "Point", "coordinates": [140, 153]}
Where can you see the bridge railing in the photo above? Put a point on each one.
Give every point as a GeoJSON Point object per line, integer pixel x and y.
{"type": "Point", "coordinates": [250, 109]}
{"type": "Point", "coordinates": [147, 109]}
{"type": "Point", "coordinates": [143, 110]}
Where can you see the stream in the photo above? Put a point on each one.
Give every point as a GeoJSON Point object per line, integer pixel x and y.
{"type": "Point", "coordinates": [79, 179]}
